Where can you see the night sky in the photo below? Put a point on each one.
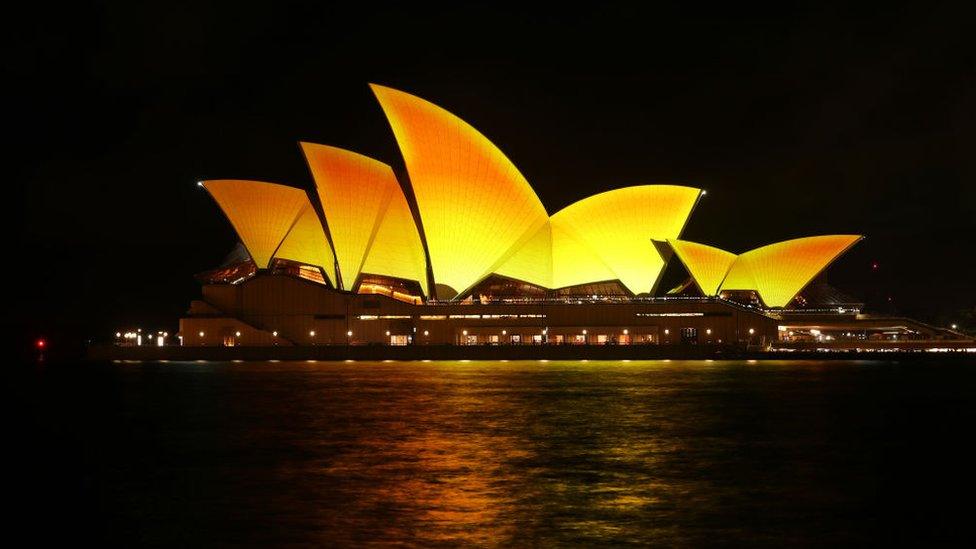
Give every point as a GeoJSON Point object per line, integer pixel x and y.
{"type": "Point", "coordinates": [798, 121]}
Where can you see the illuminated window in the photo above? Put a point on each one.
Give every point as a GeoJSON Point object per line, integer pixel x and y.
{"type": "Point", "coordinates": [400, 290]}
{"type": "Point", "coordinates": [311, 273]}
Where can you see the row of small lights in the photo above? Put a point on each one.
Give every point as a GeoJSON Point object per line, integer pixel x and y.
{"type": "Point", "coordinates": [137, 333]}
{"type": "Point", "coordinates": [137, 336]}
{"type": "Point", "coordinates": [584, 332]}
{"type": "Point", "coordinates": [311, 333]}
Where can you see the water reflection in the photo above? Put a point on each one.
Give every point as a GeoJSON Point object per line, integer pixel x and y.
{"type": "Point", "coordinates": [514, 453]}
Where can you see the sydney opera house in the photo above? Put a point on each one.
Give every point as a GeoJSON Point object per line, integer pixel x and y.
{"type": "Point", "coordinates": [455, 248]}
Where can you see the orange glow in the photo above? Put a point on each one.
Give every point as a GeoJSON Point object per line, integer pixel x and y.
{"type": "Point", "coordinates": [480, 217]}
{"type": "Point", "coordinates": [475, 206]}
{"type": "Point", "coordinates": [270, 217]}
{"type": "Point", "coordinates": [368, 217]}
{"type": "Point", "coordinates": [261, 213]}
{"type": "Point", "coordinates": [617, 227]}
{"type": "Point", "coordinates": [779, 271]}
{"type": "Point", "coordinates": [306, 243]}
{"type": "Point", "coordinates": [706, 265]}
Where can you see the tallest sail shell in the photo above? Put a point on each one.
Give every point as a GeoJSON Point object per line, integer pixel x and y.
{"type": "Point", "coordinates": [476, 208]}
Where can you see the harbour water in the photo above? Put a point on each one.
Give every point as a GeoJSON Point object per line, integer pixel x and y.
{"type": "Point", "coordinates": [497, 453]}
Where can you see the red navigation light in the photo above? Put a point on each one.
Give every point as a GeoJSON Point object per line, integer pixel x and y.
{"type": "Point", "coordinates": [41, 343]}
{"type": "Point", "coordinates": [874, 266]}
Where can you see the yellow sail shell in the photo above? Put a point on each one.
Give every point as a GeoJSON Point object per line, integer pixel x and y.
{"type": "Point", "coordinates": [269, 216]}
{"type": "Point", "coordinates": [707, 265]}
{"type": "Point", "coordinates": [475, 207]}
{"type": "Point", "coordinates": [617, 228]}
{"type": "Point", "coordinates": [779, 271]}
{"type": "Point", "coordinates": [371, 225]}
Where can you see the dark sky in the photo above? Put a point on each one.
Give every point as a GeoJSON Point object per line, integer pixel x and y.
{"type": "Point", "coordinates": [798, 121]}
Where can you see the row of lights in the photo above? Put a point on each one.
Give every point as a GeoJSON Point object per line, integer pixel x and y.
{"type": "Point", "coordinates": [311, 333]}
{"type": "Point", "coordinates": [238, 333]}
{"type": "Point", "coordinates": [138, 332]}
{"type": "Point", "coordinates": [708, 331]}
{"type": "Point", "coordinates": [136, 337]}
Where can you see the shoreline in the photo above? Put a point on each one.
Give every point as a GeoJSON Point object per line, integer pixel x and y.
{"type": "Point", "coordinates": [500, 352]}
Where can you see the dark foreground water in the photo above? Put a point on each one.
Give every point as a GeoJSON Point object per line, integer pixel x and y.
{"type": "Point", "coordinates": [518, 453]}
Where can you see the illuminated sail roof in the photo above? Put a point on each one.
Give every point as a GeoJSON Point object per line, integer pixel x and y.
{"type": "Point", "coordinates": [273, 221]}
{"type": "Point", "coordinates": [573, 262]}
{"type": "Point", "coordinates": [478, 217]}
{"type": "Point", "coordinates": [617, 227]}
{"type": "Point", "coordinates": [779, 271]}
{"type": "Point", "coordinates": [532, 261]}
{"type": "Point", "coordinates": [706, 265]}
{"type": "Point", "coordinates": [368, 217]}
{"type": "Point", "coordinates": [306, 243]}
{"type": "Point", "coordinates": [475, 206]}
